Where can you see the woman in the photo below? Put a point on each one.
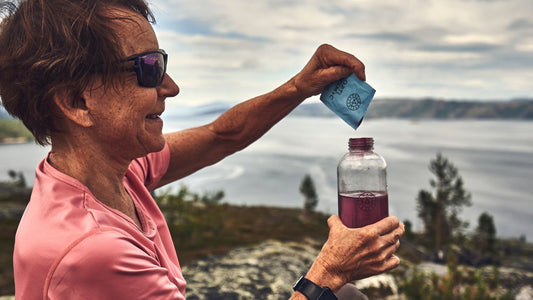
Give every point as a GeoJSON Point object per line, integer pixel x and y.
{"type": "Point", "coordinates": [88, 77]}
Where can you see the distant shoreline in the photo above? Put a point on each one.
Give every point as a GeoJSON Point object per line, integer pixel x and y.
{"type": "Point", "coordinates": [434, 109]}
{"type": "Point", "coordinates": [15, 140]}
{"type": "Point", "coordinates": [13, 131]}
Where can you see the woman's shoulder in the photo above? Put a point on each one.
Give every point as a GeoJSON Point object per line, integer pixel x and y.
{"type": "Point", "coordinates": [150, 168]}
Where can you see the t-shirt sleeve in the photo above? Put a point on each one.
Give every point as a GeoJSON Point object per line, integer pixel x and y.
{"type": "Point", "coordinates": [109, 265]}
{"type": "Point", "coordinates": [151, 168]}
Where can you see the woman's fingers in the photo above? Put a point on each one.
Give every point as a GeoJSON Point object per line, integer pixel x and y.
{"type": "Point", "coordinates": [387, 225]}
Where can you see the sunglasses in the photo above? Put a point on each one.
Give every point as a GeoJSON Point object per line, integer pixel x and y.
{"type": "Point", "coordinates": [150, 67]}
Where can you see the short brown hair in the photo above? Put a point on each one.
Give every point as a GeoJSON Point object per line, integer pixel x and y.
{"type": "Point", "coordinates": [53, 45]}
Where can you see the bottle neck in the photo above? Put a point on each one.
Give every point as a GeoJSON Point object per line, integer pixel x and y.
{"type": "Point", "coordinates": [361, 144]}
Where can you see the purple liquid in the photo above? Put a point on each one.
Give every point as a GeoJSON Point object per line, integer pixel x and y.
{"type": "Point", "coordinates": [362, 208]}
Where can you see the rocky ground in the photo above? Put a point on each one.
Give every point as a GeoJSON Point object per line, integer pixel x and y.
{"type": "Point", "coordinates": [268, 271]}
{"type": "Point", "coordinates": [265, 271]}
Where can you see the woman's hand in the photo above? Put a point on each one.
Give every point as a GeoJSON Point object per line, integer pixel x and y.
{"type": "Point", "coordinates": [328, 64]}
{"type": "Point", "coordinates": [351, 254]}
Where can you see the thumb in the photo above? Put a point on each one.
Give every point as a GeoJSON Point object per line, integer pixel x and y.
{"type": "Point", "coordinates": [334, 221]}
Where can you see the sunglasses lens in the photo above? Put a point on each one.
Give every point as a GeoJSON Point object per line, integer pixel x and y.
{"type": "Point", "coordinates": [152, 69]}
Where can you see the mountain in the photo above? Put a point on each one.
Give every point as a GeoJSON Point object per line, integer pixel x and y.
{"type": "Point", "coordinates": [442, 109]}
{"type": "Point", "coordinates": [404, 108]}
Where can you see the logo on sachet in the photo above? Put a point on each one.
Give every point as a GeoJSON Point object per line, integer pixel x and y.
{"type": "Point", "coordinates": [353, 102]}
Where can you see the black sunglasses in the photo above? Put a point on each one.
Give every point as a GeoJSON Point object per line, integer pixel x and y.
{"type": "Point", "coordinates": [150, 67]}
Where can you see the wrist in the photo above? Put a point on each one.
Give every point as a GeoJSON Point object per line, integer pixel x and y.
{"type": "Point", "coordinates": [312, 291]}
{"type": "Point", "coordinates": [325, 274]}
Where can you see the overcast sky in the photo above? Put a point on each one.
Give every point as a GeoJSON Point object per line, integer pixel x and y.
{"type": "Point", "coordinates": [453, 49]}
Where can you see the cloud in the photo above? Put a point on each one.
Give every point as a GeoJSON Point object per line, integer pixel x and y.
{"type": "Point", "coordinates": [463, 47]}
{"type": "Point", "coordinates": [519, 24]}
{"type": "Point", "coordinates": [396, 37]}
{"type": "Point", "coordinates": [410, 48]}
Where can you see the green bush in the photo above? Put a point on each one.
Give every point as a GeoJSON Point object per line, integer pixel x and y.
{"type": "Point", "coordinates": [459, 283]}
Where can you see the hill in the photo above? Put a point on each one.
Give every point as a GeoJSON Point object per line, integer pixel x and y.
{"type": "Point", "coordinates": [405, 108]}
{"type": "Point", "coordinates": [443, 109]}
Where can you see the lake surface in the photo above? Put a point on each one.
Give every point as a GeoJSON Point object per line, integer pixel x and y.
{"type": "Point", "coordinates": [495, 159]}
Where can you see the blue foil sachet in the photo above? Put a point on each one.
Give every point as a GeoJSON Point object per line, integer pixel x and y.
{"type": "Point", "coordinates": [348, 98]}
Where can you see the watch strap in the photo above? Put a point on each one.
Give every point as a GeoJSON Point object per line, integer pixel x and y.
{"type": "Point", "coordinates": [312, 291]}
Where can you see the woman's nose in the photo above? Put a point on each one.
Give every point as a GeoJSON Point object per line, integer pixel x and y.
{"type": "Point", "coordinates": [168, 88]}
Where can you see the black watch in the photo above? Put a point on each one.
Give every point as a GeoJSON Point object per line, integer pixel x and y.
{"type": "Point", "coordinates": [313, 291]}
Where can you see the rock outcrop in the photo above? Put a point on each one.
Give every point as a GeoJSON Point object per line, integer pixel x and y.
{"type": "Point", "coordinates": [266, 271]}
{"type": "Point", "coordinates": [269, 270]}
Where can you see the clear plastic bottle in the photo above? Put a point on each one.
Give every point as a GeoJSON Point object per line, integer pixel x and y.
{"type": "Point", "coordinates": [362, 184]}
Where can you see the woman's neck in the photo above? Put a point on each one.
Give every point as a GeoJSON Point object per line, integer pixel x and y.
{"type": "Point", "coordinates": [102, 174]}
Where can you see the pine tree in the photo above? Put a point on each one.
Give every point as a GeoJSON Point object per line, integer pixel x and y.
{"type": "Point", "coordinates": [486, 233]}
{"type": "Point", "coordinates": [307, 188]}
{"type": "Point", "coordinates": [440, 211]}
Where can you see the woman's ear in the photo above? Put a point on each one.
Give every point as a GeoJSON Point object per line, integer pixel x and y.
{"type": "Point", "coordinates": [72, 107]}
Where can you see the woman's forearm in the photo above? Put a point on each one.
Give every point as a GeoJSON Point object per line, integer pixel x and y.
{"type": "Point", "coordinates": [249, 120]}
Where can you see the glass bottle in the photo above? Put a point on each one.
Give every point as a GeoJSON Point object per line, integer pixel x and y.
{"type": "Point", "coordinates": [362, 184]}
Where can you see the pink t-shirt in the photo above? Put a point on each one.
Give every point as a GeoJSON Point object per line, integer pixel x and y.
{"type": "Point", "coordinates": [69, 245]}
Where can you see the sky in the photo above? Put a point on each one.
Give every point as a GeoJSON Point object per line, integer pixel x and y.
{"type": "Point", "coordinates": [229, 51]}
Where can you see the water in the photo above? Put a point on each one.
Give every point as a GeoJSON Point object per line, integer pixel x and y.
{"type": "Point", "coordinates": [21, 158]}
{"type": "Point", "coordinates": [495, 159]}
